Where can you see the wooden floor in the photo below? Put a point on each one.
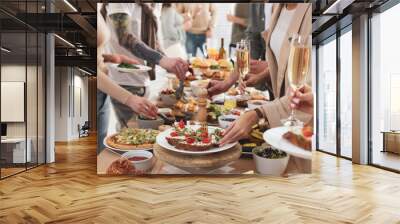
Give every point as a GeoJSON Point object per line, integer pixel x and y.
{"type": "Point", "coordinates": [69, 191]}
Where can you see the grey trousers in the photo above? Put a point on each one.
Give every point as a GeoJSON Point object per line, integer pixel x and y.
{"type": "Point", "coordinates": [103, 114]}
{"type": "Point", "coordinates": [123, 112]}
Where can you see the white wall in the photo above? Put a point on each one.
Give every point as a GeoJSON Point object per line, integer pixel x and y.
{"type": "Point", "coordinates": [71, 94]}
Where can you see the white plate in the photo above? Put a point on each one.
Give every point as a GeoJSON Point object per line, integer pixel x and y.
{"type": "Point", "coordinates": [120, 151]}
{"type": "Point", "coordinates": [274, 138]}
{"type": "Point", "coordinates": [141, 68]}
{"type": "Point", "coordinates": [161, 141]}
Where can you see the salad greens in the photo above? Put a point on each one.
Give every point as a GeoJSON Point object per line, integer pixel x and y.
{"type": "Point", "coordinates": [126, 65]}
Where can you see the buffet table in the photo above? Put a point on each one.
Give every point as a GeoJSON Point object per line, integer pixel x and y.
{"type": "Point", "coordinates": [239, 166]}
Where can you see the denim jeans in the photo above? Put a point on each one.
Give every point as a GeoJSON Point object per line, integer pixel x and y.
{"type": "Point", "coordinates": [194, 41]}
{"type": "Point", "coordinates": [123, 112]}
{"type": "Point", "coordinates": [103, 113]}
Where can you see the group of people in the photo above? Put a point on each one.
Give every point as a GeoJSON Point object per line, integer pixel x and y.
{"type": "Point", "coordinates": [141, 32]}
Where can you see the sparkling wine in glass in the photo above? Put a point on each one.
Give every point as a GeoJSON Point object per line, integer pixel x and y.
{"type": "Point", "coordinates": [243, 59]}
{"type": "Point", "coordinates": [298, 69]}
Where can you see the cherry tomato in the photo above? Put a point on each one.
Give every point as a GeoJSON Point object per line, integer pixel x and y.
{"type": "Point", "coordinates": [204, 134]}
{"type": "Point", "coordinates": [181, 124]}
{"type": "Point", "coordinates": [307, 131]}
{"type": "Point", "coordinates": [206, 140]}
{"type": "Point", "coordinates": [174, 134]}
{"type": "Point", "coordinates": [189, 140]}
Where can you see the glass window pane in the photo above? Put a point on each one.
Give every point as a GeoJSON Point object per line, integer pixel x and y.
{"type": "Point", "coordinates": [327, 97]}
{"type": "Point", "coordinates": [31, 97]}
{"type": "Point", "coordinates": [385, 84]}
{"type": "Point", "coordinates": [346, 94]}
{"type": "Point", "coordinates": [13, 86]}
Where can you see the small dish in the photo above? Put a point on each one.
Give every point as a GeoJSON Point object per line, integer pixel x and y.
{"type": "Point", "coordinates": [270, 166]}
{"type": "Point", "coordinates": [147, 123]}
{"type": "Point", "coordinates": [225, 121]}
{"type": "Point", "coordinates": [142, 160]}
{"type": "Point", "coordinates": [253, 104]}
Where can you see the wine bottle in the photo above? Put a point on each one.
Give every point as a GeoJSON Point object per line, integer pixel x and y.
{"type": "Point", "coordinates": [222, 53]}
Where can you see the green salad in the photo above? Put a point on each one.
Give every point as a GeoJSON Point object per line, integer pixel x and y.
{"type": "Point", "coordinates": [126, 65]}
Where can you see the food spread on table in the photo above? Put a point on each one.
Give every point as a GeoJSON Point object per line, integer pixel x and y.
{"type": "Point", "coordinates": [132, 138]}
{"type": "Point", "coordinates": [188, 137]}
{"type": "Point", "coordinates": [300, 137]}
{"type": "Point", "coordinates": [128, 66]}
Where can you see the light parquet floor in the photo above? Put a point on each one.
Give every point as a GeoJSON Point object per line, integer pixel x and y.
{"type": "Point", "coordinates": [69, 191]}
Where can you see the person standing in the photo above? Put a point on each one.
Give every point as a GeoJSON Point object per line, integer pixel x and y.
{"type": "Point", "coordinates": [203, 17]}
{"type": "Point", "coordinates": [256, 25]}
{"type": "Point", "coordinates": [127, 22]}
{"type": "Point", "coordinates": [239, 21]}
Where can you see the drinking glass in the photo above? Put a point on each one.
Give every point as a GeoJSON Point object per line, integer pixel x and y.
{"type": "Point", "coordinates": [243, 59]}
{"type": "Point", "coordinates": [298, 69]}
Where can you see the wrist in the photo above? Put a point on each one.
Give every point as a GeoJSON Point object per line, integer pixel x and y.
{"type": "Point", "coordinates": [130, 98]}
{"type": "Point", "coordinates": [253, 117]}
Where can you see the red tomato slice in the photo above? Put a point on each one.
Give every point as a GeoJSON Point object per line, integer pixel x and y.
{"type": "Point", "coordinates": [307, 132]}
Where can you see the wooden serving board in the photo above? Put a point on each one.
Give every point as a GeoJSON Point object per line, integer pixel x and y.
{"type": "Point", "coordinates": [213, 160]}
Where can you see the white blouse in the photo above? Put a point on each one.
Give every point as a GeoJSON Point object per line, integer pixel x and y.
{"type": "Point", "coordinates": [281, 28]}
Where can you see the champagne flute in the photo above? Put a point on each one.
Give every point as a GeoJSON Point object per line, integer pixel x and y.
{"type": "Point", "coordinates": [298, 69]}
{"type": "Point", "coordinates": [242, 59]}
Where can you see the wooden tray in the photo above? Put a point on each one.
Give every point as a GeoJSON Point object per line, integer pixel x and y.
{"type": "Point", "coordinates": [213, 160]}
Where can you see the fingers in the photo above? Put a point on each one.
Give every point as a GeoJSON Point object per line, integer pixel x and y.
{"type": "Point", "coordinates": [113, 58]}
{"type": "Point", "coordinates": [228, 135]}
{"type": "Point", "coordinates": [229, 128]}
{"type": "Point", "coordinates": [128, 60]}
{"type": "Point", "coordinates": [212, 87]}
{"type": "Point", "coordinates": [150, 109]}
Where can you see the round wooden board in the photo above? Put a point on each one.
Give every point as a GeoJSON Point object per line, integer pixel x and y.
{"type": "Point", "coordinates": [218, 159]}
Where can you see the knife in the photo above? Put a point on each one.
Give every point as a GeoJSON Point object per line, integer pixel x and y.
{"type": "Point", "coordinates": [179, 90]}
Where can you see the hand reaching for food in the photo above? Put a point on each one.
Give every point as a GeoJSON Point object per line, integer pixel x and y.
{"type": "Point", "coordinates": [178, 66]}
{"type": "Point", "coordinates": [239, 129]}
{"type": "Point", "coordinates": [142, 106]}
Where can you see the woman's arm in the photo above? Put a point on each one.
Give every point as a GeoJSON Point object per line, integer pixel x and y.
{"type": "Point", "coordinates": [131, 42]}
{"type": "Point", "coordinates": [237, 20]}
{"type": "Point", "coordinates": [138, 104]}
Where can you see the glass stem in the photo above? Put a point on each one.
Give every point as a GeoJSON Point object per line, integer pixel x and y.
{"type": "Point", "coordinates": [292, 114]}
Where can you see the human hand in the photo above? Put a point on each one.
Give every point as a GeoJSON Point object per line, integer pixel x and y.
{"type": "Point", "coordinates": [209, 33]}
{"type": "Point", "coordinates": [253, 79]}
{"type": "Point", "coordinates": [239, 129]}
{"type": "Point", "coordinates": [230, 18]}
{"type": "Point", "coordinates": [216, 87]}
{"type": "Point", "coordinates": [187, 25]}
{"type": "Point", "coordinates": [258, 66]}
{"type": "Point", "coordinates": [302, 99]}
{"type": "Point", "coordinates": [178, 66]}
{"type": "Point", "coordinates": [142, 106]}
{"type": "Point", "coordinates": [119, 58]}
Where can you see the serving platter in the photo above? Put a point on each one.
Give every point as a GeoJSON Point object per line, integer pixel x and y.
{"type": "Point", "coordinates": [140, 68]}
{"type": "Point", "coordinates": [161, 141]}
{"type": "Point", "coordinates": [274, 137]}
{"type": "Point", "coordinates": [121, 151]}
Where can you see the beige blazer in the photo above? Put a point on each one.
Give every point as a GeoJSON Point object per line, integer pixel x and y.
{"type": "Point", "coordinates": [279, 108]}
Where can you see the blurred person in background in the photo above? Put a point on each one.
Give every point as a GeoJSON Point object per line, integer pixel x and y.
{"type": "Point", "coordinates": [202, 16]}
{"type": "Point", "coordinates": [256, 25]}
{"type": "Point", "coordinates": [173, 27]}
{"type": "Point", "coordinates": [239, 20]}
